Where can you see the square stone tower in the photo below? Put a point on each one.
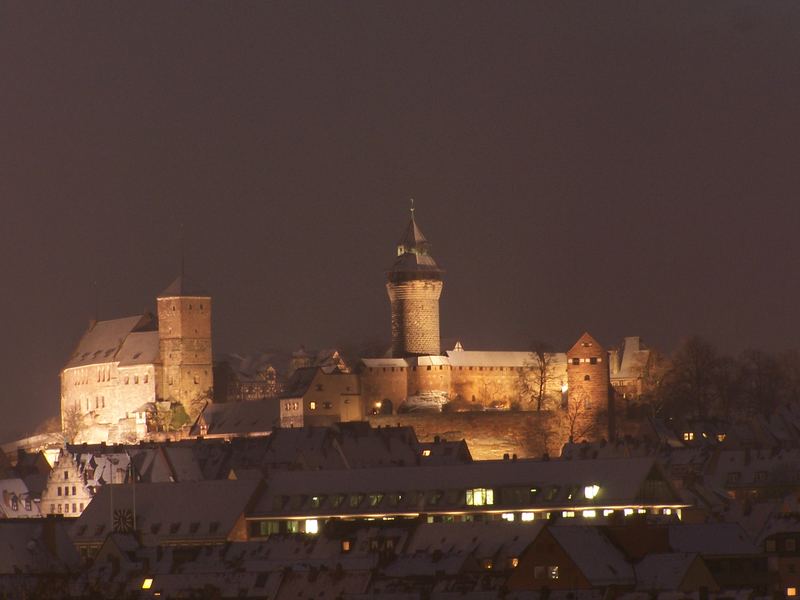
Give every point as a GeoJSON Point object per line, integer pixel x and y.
{"type": "Point", "coordinates": [184, 331]}
{"type": "Point", "coordinates": [588, 398]}
{"type": "Point", "coordinates": [414, 286]}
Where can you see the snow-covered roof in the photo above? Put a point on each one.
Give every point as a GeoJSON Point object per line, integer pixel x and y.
{"type": "Point", "coordinates": [167, 512]}
{"type": "Point", "coordinates": [596, 557]}
{"type": "Point", "coordinates": [139, 348]}
{"type": "Point", "coordinates": [16, 501]}
{"type": "Point", "coordinates": [663, 572]}
{"type": "Point", "coordinates": [103, 340]}
{"type": "Point", "coordinates": [441, 488]}
{"type": "Point", "coordinates": [241, 418]}
{"type": "Point", "coordinates": [384, 362]}
{"type": "Point", "coordinates": [715, 539]}
{"type": "Point", "coordinates": [491, 358]}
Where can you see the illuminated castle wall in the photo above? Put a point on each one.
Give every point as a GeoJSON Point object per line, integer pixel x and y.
{"type": "Point", "coordinates": [471, 379]}
{"type": "Point", "coordinates": [122, 369]}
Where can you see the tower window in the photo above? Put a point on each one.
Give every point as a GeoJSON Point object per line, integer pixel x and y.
{"type": "Point", "coordinates": [576, 361]}
{"type": "Point", "coordinates": [593, 360]}
{"type": "Point", "coordinates": [587, 378]}
{"type": "Point", "coordinates": [429, 368]}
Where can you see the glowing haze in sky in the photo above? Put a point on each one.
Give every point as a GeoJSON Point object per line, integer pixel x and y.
{"type": "Point", "coordinates": [627, 168]}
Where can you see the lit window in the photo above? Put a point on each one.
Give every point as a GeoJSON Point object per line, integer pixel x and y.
{"type": "Point", "coordinates": [552, 572]}
{"type": "Point", "coordinates": [568, 514]}
{"type": "Point", "coordinates": [590, 491]}
{"type": "Point", "coordinates": [480, 496]}
{"type": "Point", "coordinates": [526, 516]}
{"type": "Point", "coordinates": [147, 583]}
{"type": "Point", "coordinates": [513, 562]}
{"type": "Point", "coordinates": [720, 437]}
{"type": "Point", "coordinates": [346, 544]}
{"type": "Point", "coordinates": [791, 591]}
{"type": "Point", "coordinates": [508, 517]}
{"type": "Point", "coordinates": [312, 526]}
{"type": "Point", "coordinates": [315, 501]}
{"type": "Point", "coordinates": [589, 514]}
{"type": "Point", "coordinates": [667, 511]}
{"type": "Point", "coordinates": [312, 405]}
{"type": "Point", "coordinates": [641, 511]}
{"type": "Point", "coordinates": [688, 436]}
{"type": "Point", "coordinates": [628, 512]}
{"type": "Point", "coordinates": [608, 512]}
{"type": "Point", "coordinates": [426, 453]}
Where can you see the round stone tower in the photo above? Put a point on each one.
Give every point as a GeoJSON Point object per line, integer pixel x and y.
{"type": "Point", "coordinates": [414, 286]}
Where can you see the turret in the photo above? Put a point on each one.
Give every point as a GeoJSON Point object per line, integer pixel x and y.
{"type": "Point", "coordinates": [414, 286]}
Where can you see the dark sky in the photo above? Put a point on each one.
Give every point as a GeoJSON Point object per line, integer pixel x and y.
{"type": "Point", "coordinates": [622, 167]}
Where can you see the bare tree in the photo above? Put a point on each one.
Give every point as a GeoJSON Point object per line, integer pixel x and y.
{"type": "Point", "coordinates": [73, 424]}
{"type": "Point", "coordinates": [537, 377]}
{"type": "Point", "coordinates": [580, 420]}
{"type": "Point", "coordinates": [543, 372]}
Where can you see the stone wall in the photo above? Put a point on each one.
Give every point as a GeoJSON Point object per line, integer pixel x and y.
{"type": "Point", "coordinates": [489, 434]}
{"type": "Point", "coordinates": [95, 399]}
{"type": "Point", "coordinates": [415, 316]}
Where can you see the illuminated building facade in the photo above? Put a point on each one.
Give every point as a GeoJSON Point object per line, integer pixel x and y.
{"type": "Point", "coordinates": [510, 490]}
{"type": "Point", "coordinates": [122, 368]}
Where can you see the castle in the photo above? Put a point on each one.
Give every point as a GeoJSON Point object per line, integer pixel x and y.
{"type": "Point", "coordinates": [418, 376]}
{"type": "Point", "coordinates": [137, 375]}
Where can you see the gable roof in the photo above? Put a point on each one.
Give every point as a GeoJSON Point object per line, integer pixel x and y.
{"type": "Point", "coordinates": [254, 417]}
{"type": "Point", "coordinates": [103, 340]}
{"type": "Point", "coordinates": [657, 572]}
{"type": "Point", "coordinates": [196, 510]}
{"type": "Point", "coordinates": [139, 348]}
{"type": "Point", "coordinates": [586, 346]}
{"type": "Point", "coordinates": [596, 557]}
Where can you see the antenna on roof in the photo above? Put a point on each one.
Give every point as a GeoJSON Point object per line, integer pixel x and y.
{"type": "Point", "coordinates": [412, 208]}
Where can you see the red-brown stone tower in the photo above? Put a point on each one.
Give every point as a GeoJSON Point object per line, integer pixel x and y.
{"type": "Point", "coordinates": [414, 286]}
{"type": "Point", "coordinates": [588, 408]}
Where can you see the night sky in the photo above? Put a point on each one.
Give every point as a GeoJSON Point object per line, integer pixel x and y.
{"type": "Point", "coordinates": [627, 168]}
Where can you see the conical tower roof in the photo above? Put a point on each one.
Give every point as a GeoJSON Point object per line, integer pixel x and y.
{"type": "Point", "coordinates": [413, 252]}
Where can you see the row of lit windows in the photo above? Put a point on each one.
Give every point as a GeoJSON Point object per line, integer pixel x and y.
{"type": "Point", "coordinates": [66, 509]}
{"type": "Point", "coordinates": [470, 497]}
{"type": "Point", "coordinates": [452, 368]}
{"type": "Point", "coordinates": [591, 361]}
{"type": "Point", "coordinates": [267, 527]}
{"type": "Point", "coordinates": [325, 405]}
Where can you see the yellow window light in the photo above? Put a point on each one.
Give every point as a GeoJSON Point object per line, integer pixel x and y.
{"type": "Point", "coordinates": [147, 583]}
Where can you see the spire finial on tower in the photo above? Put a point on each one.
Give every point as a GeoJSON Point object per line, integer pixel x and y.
{"type": "Point", "coordinates": [412, 208]}
{"type": "Point", "coordinates": [183, 253]}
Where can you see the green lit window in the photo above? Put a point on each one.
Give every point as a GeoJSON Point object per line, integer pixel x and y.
{"type": "Point", "coordinates": [480, 497]}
